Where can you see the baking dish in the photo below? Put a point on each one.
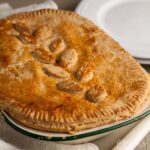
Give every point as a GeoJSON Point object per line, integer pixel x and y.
{"type": "Point", "coordinates": [80, 137]}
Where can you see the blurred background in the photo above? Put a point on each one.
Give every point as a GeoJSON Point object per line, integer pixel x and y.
{"type": "Point", "coordinates": [62, 4]}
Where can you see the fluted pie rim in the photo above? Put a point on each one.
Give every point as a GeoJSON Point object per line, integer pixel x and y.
{"type": "Point", "coordinates": [97, 117]}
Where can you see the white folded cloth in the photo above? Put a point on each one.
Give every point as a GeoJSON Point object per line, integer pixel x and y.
{"type": "Point", "coordinates": [6, 9]}
{"type": "Point", "coordinates": [13, 140]}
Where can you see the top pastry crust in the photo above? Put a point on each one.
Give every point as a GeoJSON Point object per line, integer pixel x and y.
{"type": "Point", "coordinates": [59, 72]}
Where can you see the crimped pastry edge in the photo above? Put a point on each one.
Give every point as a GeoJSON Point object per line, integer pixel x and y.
{"type": "Point", "coordinates": [94, 119]}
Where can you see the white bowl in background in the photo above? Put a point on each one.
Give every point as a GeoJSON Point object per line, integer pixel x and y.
{"type": "Point", "coordinates": [126, 21]}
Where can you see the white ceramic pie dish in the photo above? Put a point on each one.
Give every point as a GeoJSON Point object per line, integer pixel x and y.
{"type": "Point", "coordinates": [127, 21]}
{"type": "Point", "coordinates": [80, 137]}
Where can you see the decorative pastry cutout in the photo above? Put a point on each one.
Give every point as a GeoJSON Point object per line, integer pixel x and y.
{"type": "Point", "coordinates": [26, 38]}
{"type": "Point", "coordinates": [43, 32]}
{"type": "Point", "coordinates": [57, 45]}
{"type": "Point", "coordinates": [84, 73]}
{"type": "Point", "coordinates": [55, 71]}
{"type": "Point", "coordinates": [96, 94]}
{"type": "Point", "coordinates": [69, 86]}
{"type": "Point", "coordinates": [42, 56]}
{"type": "Point", "coordinates": [68, 58]}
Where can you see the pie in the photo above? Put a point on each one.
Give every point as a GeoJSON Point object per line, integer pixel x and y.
{"type": "Point", "coordinates": [61, 73]}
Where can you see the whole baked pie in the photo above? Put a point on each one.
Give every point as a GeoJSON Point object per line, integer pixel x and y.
{"type": "Point", "coordinates": [59, 72]}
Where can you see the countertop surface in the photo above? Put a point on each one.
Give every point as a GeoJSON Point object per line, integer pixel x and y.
{"type": "Point", "coordinates": [70, 5]}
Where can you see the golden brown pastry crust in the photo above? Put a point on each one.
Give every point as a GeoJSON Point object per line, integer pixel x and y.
{"type": "Point", "coordinates": [59, 72]}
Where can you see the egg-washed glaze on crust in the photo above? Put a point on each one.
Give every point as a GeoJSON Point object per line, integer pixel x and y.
{"type": "Point", "coordinates": [59, 72]}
